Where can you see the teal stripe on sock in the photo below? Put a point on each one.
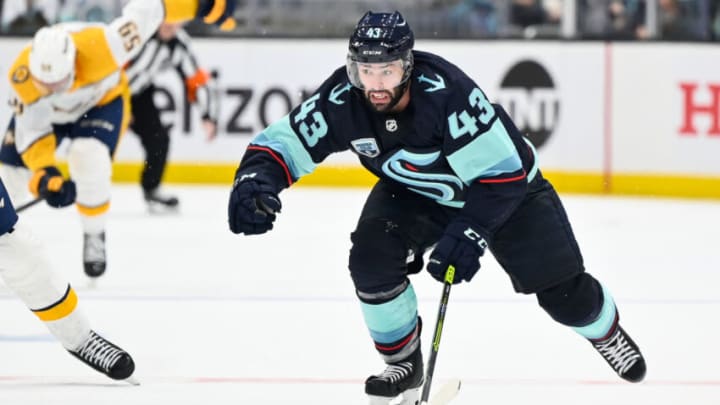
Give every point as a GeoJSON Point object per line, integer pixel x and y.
{"type": "Point", "coordinates": [393, 320]}
{"type": "Point", "coordinates": [600, 326]}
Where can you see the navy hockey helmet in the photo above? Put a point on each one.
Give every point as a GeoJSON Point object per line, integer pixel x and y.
{"type": "Point", "coordinates": [378, 38]}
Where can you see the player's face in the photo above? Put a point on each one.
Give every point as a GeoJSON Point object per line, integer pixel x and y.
{"type": "Point", "coordinates": [380, 82]}
{"type": "Point", "coordinates": [167, 31]}
{"type": "Point", "coordinates": [56, 87]}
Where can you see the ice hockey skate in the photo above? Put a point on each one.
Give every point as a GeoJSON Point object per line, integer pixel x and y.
{"type": "Point", "coordinates": [400, 383]}
{"type": "Point", "coordinates": [105, 357]}
{"type": "Point", "coordinates": [94, 259]}
{"type": "Point", "coordinates": [622, 354]}
{"type": "Point", "coordinates": [158, 202]}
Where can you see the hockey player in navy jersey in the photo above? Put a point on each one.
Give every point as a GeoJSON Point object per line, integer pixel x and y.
{"type": "Point", "coordinates": [456, 177]}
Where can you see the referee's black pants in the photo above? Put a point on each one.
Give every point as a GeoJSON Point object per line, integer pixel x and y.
{"type": "Point", "coordinates": [153, 135]}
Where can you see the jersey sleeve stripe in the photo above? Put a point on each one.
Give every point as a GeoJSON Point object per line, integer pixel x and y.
{"type": "Point", "coordinates": [216, 12]}
{"type": "Point", "coordinates": [40, 153]}
{"type": "Point", "coordinates": [277, 158]}
{"type": "Point", "coordinates": [280, 137]}
{"type": "Point", "coordinates": [508, 180]}
{"type": "Point", "coordinates": [490, 154]}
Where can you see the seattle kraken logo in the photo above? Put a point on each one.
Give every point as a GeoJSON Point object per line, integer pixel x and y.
{"type": "Point", "coordinates": [403, 167]}
{"type": "Point", "coordinates": [366, 147]}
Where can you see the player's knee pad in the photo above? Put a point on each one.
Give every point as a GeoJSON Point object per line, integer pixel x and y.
{"type": "Point", "coordinates": [378, 257]}
{"type": "Point", "coordinates": [91, 169]}
{"type": "Point", "coordinates": [16, 180]}
{"type": "Point", "coordinates": [573, 302]}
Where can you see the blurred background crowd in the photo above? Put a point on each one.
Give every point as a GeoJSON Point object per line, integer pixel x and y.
{"type": "Point", "coordinates": [667, 20]}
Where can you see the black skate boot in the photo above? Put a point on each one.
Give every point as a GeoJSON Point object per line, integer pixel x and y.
{"type": "Point", "coordinates": [94, 259]}
{"type": "Point", "coordinates": [105, 357]}
{"type": "Point", "coordinates": [622, 354]}
{"type": "Point", "coordinates": [158, 202]}
{"type": "Point", "coordinates": [402, 378]}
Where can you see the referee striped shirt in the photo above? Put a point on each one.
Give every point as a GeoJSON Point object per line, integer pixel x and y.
{"type": "Point", "coordinates": [158, 55]}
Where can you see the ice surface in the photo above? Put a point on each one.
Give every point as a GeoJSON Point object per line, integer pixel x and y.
{"type": "Point", "coordinates": [215, 318]}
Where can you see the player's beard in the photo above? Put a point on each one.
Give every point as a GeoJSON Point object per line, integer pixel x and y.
{"type": "Point", "coordinates": [393, 97]}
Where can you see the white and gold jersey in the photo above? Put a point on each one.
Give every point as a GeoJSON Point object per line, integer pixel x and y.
{"type": "Point", "coordinates": [102, 51]}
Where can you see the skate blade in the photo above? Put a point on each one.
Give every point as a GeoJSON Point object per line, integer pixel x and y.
{"type": "Point", "coordinates": [409, 397]}
{"type": "Point", "coordinates": [92, 283]}
{"type": "Point", "coordinates": [132, 381]}
{"type": "Point", "coordinates": [162, 209]}
{"type": "Point", "coordinates": [446, 393]}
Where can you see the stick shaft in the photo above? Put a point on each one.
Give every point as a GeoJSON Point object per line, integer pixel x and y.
{"type": "Point", "coordinates": [28, 204]}
{"type": "Point", "coordinates": [447, 284]}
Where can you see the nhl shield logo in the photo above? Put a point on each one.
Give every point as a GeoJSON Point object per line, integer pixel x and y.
{"type": "Point", "coordinates": [366, 147]}
{"type": "Point", "coordinates": [391, 125]}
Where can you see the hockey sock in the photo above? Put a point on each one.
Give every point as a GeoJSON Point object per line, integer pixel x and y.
{"type": "Point", "coordinates": [91, 168]}
{"type": "Point", "coordinates": [26, 271]}
{"type": "Point", "coordinates": [604, 323]}
{"type": "Point", "coordinates": [392, 319]}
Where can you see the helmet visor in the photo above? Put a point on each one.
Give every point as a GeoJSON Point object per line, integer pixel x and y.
{"type": "Point", "coordinates": [377, 76]}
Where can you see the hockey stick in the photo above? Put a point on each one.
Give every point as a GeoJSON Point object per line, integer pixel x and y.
{"type": "Point", "coordinates": [28, 204]}
{"type": "Point", "coordinates": [448, 391]}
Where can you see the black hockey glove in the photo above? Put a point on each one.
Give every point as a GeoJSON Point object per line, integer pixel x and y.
{"type": "Point", "coordinates": [252, 206]}
{"type": "Point", "coordinates": [49, 184]}
{"type": "Point", "coordinates": [461, 246]}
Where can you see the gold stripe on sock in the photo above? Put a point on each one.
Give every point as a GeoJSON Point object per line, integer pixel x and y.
{"type": "Point", "coordinates": [64, 307]}
{"type": "Point", "coordinates": [93, 211]}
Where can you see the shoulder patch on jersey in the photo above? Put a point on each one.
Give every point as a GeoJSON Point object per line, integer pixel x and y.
{"type": "Point", "coordinates": [366, 147]}
{"type": "Point", "coordinates": [338, 91]}
{"type": "Point", "coordinates": [435, 85]}
{"type": "Point", "coordinates": [21, 74]}
{"type": "Point", "coordinates": [18, 77]}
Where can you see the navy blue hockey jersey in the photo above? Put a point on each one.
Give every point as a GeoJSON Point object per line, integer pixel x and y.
{"type": "Point", "coordinates": [450, 144]}
{"type": "Point", "coordinates": [8, 217]}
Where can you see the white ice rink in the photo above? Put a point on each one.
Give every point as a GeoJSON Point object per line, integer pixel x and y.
{"type": "Point", "coordinates": [213, 318]}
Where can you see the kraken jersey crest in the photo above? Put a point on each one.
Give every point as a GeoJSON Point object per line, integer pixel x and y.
{"type": "Point", "coordinates": [366, 147]}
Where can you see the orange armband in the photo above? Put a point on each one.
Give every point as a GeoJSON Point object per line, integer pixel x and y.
{"type": "Point", "coordinates": [193, 83]}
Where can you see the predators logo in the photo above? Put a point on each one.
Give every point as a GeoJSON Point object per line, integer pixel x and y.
{"type": "Point", "coordinates": [21, 74]}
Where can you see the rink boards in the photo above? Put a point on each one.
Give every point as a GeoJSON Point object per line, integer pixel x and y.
{"type": "Point", "coordinates": [620, 118]}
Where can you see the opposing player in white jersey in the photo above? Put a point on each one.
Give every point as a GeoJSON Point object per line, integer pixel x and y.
{"type": "Point", "coordinates": [26, 270]}
{"type": "Point", "coordinates": [69, 84]}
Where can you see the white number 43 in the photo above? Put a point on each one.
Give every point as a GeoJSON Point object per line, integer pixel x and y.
{"type": "Point", "coordinates": [464, 123]}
